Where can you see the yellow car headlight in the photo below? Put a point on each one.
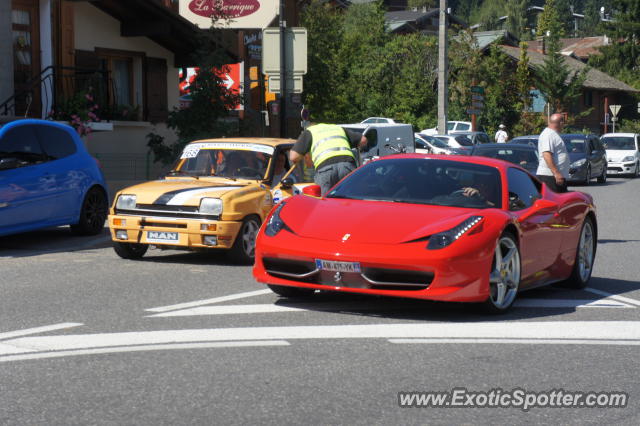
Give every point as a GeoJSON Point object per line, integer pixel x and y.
{"type": "Point", "coordinates": [126, 202]}
{"type": "Point", "coordinates": [211, 206]}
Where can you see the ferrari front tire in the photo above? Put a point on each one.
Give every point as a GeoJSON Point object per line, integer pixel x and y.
{"type": "Point", "coordinates": [131, 251]}
{"type": "Point", "coordinates": [504, 279]}
{"type": "Point", "coordinates": [585, 256]}
{"type": "Point", "coordinates": [293, 292]}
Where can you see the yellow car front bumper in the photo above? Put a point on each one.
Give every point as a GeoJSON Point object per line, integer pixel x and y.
{"type": "Point", "coordinates": [161, 231]}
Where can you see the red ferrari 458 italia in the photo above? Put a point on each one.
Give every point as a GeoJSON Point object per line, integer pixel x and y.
{"type": "Point", "coordinates": [459, 229]}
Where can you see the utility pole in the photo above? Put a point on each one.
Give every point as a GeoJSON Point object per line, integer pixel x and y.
{"type": "Point", "coordinates": [283, 72]}
{"type": "Point", "coordinates": [443, 65]}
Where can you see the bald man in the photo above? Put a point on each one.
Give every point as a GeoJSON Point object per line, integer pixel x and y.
{"type": "Point", "coordinates": [553, 167]}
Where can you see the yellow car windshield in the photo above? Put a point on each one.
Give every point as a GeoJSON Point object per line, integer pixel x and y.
{"type": "Point", "coordinates": [228, 163]}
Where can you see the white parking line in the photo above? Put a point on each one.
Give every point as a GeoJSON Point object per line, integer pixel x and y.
{"type": "Point", "coordinates": [36, 330]}
{"type": "Point", "coordinates": [613, 296]}
{"type": "Point", "coordinates": [141, 348]}
{"type": "Point", "coordinates": [588, 331]}
{"type": "Point", "coordinates": [358, 307]}
{"type": "Point", "coordinates": [209, 301]}
{"type": "Point", "coordinates": [230, 309]}
{"type": "Point", "coordinates": [517, 341]}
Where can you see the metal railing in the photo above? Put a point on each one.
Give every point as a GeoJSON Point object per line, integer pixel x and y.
{"type": "Point", "coordinates": [56, 85]}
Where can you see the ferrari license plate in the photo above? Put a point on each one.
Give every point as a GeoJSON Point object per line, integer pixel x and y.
{"type": "Point", "coordinates": [330, 265]}
{"type": "Point", "coordinates": [162, 237]}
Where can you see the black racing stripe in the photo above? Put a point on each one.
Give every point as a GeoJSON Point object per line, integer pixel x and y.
{"type": "Point", "coordinates": [167, 196]}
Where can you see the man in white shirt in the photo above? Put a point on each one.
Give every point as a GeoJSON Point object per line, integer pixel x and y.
{"type": "Point", "coordinates": [501, 134]}
{"type": "Point", "coordinates": [553, 168]}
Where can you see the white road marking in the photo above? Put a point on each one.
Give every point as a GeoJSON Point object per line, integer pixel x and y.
{"type": "Point", "coordinates": [358, 307]}
{"type": "Point", "coordinates": [517, 341]}
{"type": "Point", "coordinates": [613, 296]}
{"type": "Point", "coordinates": [209, 301]}
{"type": "Point", "coordinates": [42, 329]}
{"type": "Point", "coordinates": [588, 331]}
{"type": "Point", "coordinates": [569, 303]}
{"type": "Point", "coordinates": [142, 348]}
{"type": "Point", "coordinates": [230, 309]}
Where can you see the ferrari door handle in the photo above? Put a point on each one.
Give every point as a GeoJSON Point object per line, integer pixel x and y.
{"type": "Point", "coordinates": [3, 205]}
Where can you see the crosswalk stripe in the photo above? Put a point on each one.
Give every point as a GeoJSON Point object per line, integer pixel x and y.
{"type": "Point", "coordinates": [337, 307]}
{"type": "Point", "coordinates": [209, 301]}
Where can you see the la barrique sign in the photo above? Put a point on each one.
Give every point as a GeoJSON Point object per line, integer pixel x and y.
{"type": "Point", "coordinates": [238, 14]}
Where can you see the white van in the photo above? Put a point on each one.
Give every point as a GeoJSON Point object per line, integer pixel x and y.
{"type": "Point", "coordinates": [384, 139]}
{"type": "Point", "coordinates": [452, 126]}
{"type": "Point", "coordinates": [623, 153]}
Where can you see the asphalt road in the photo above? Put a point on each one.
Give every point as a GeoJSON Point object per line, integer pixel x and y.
{"type": "Point", "coordinates": [188, 338]}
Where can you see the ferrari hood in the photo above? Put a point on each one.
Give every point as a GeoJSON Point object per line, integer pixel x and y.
{"type": "Point", "coordinates": [372, 222]}
{"type": "Point", "coordinates": [181, 191]}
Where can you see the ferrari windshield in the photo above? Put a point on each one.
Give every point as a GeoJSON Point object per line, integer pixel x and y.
{"type": "Point", "coordinates": [423, 181]}
{"type": "Point", "coordinates": [229, 160]}
{"type": "Point", "coordinates": [619, 143]}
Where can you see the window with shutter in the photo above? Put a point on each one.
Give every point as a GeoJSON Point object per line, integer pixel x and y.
{"type": "Point", "coordinates": [156, 90]}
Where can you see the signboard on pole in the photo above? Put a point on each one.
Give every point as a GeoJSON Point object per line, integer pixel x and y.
{"type": "Point", "coordinates": [474, 111]}
{"type": "Point", "coordinates": [295, 53]}
{"type": "Point", "coordinates": [294, 83]}
{"type": "Point", "coordinates": [477, 89]}
{"type": "Point", "coordinates": [236, 14]}
{"type": "Point", "coordinates": [615, 109]}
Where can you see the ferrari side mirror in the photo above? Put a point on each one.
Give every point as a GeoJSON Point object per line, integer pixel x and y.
{"type": "Point", "coordinates": [312, 190]}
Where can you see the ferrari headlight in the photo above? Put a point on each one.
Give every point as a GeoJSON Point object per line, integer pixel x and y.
{"type": "Point", "coordinates": [578, 163]}
{"type": "Point", "coordinates": [628, 158]}
{"type": "Point", "coordinates": [275, 223]}
{"type": "Point", "coordinates": [444, 239]}
{"type": "Point", "coordinates": [211, 206]}
{"type": "Point", "coordinates": [126, 202]}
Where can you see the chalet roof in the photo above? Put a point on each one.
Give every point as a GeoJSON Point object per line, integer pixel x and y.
{"type": "Point", "coordinates": [581, 48]}
{"type": "Point", "coordinates": [596, 79]}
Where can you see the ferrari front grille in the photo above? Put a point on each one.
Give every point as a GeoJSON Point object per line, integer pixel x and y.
{"type": "Point", "coordinates": [397, 278]}
{"type": "Point", "coordinates": [289, 268]}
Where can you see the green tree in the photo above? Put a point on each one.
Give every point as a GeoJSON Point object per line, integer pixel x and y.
{"type": "Point", "coordinates": [524, 79]}
{"type": "Point", "coordinates": [591, 23]}
{"type": "Point", "coordinates": [549, 20]}
{"type": "Point", "coordinates": [465, 59]}
{"type": "Point", "coordinates": [211, 102]}
{"type": "Point", "coordinates": [324, 25]}
{"type": "Point", "coordinates": [516, 11]}
{"type": "Point", "coordinates": [565, 16]}
{"type": "Point", "coordinates": [622, 57]}
{"type": "Point", "coordinates": [558, 83]}
{"type": "Point", "coordinates": [421, 3]}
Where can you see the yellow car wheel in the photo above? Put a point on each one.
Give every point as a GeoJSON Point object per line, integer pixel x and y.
{"type": "Point", "coordinates": [244, 247]}
{"type": "Point", "coordinates": [130, 250]}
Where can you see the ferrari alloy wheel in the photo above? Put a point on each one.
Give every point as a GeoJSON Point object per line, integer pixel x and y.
{"type": "Point", "coordinates": [585, 256]}
{"type": "Point", "coordinates": [244, 248]}
{"type": "Point", "coordinates": [504, 279]}
{"type": "Point", "coordinates": [603, 177]}
{"type": "Point", "coordinates": [293, 292]}
{"type": "Point", "coordinates": [92, 214]}
{"type": "Point", "coordinates": [130, 250]}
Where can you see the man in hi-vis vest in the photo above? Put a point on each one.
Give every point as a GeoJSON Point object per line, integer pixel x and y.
{"type": "Point", "coordinates": [330, 147]}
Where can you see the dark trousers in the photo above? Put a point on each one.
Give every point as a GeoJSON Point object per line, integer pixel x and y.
{"type": "Point", "coordinates": [550, 181]}
{"type": "Point", "coordinates": [327, 176]}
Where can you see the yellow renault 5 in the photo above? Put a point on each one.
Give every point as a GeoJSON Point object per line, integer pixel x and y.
{"type": "Point", "coordinates": [215, 197]}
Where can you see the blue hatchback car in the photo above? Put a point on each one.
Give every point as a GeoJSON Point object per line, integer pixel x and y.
{"type": "Point", "coordinates": [47, 178]}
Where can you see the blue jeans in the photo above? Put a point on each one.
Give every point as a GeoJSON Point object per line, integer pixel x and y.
{"type": "Point", "coordinates": [328, 176]}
